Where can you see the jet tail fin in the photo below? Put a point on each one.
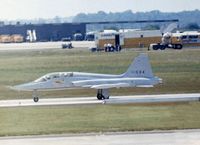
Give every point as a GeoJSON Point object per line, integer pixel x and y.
{"type": "Point", "coordinates": [140, 67]}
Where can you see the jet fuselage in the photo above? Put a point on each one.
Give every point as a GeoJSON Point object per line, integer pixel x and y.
{"type": "Point", "coordinates": [65, 80]}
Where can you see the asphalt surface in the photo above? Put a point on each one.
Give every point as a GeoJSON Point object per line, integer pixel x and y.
{"type": "Point", "coordinates": [175, 137]}
{"type": "Point", "coordinates": [43, 45]}
{"type": "Point", "coordinates": [112, 100]}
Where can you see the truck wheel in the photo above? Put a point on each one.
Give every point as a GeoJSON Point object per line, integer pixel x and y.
{"type": "Point", "coordinates": [120, 48]}
{"type": "Point", "coordinates": [178, 46]}
{"type": "Point", "coordinates": [93, 49]}
{"type": "Point", "coordinates": [106, 49]}
{"type": "Point", "coordinates": [162, 47]}
{"type": "Point", "coordinates": [112, 49]}
{"type": "Point", "coordinates": [155, 47]}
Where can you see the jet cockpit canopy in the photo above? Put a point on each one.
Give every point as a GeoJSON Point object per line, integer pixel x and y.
{"type": "Point", "coordinates": [53, 76]}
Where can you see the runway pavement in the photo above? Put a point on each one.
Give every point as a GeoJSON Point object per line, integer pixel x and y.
{"type": "Point", "coordinates": [179, 137]}
{"type": "Point", "coordinates": [43, 45]}
{"type": "Point", "coordinates": [112, 100]}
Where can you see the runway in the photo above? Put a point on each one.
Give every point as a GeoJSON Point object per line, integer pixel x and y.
{"type": "Point", "coordinates": [112, 100]}
{"type": "Point", "coordinates": [179, 137]}
{"type": "Point", "coordinates": [43, 45]}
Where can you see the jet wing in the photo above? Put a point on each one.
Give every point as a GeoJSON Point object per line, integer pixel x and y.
{"type": "Point", "coordinates": [118, 85]}
{"type": "Point", "coordinates": [99, 84]}
{"type": "Point", "coordinates": [144, 86]}
{"type": "Point", "coordinates": [107, 86]}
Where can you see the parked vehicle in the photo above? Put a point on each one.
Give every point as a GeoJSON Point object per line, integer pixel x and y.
{"type": "Point", "coordinates": [78, 37]}
{"type": "Point", "coordinates": [67, 45]}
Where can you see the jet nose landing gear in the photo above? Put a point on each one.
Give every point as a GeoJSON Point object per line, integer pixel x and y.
{"type": "Point", "coordinates": [102, 94]}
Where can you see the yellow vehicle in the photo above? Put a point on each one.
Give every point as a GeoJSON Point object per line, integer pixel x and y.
{"type": "Point", "coordinates": [166, 42]}
{"type": "Point", "coordinates": [130, 38]}
{"type": "Point", "coordinates": [5, 39]}
{"type": "Point", "coordinates": [15, 38]}
{"type": "Point", "coordinates": [187, 38]}
{"type": "Point", "coordinates": [177, 40]}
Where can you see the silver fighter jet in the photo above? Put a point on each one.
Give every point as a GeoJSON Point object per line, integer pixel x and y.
{"type": "Point", "coordinates": [139, 74]}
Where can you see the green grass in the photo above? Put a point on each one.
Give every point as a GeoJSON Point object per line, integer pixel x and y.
{"type": "Point", "coordinates": [98, 118]}
{"type": "Point", "coordinates": [179, 70]}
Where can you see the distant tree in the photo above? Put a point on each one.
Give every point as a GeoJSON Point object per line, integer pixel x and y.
{"type": "Point", "coordinates": [2, 23]}
{"type": "Point", "coordinates": [101, 13]}
{"type": "Point", "coordinates": [18, 23]}
{"type": "Point", "coordinates": [111, 28]}
{"type": "Point", "coordinates": [41, 21]}
{"type": "Point", "coordinates": [152, 27]}
{"type": "Point", "coordinates": [57, 19]}
{"type": "Point", "coordinates": [192, 26]}
{"type": "Point", "coordinates": [184, 17]}
{"type": "Point", "coordinates": [81, 17]}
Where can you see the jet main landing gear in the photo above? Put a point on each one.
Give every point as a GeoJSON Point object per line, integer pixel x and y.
{"type": "Point", "coordinates": [35, 97]}
{"type": "Point", "coordinates": [102, 94]}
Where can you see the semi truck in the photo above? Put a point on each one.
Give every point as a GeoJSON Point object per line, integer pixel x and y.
{"type": "Point", "coordinates": [166, 42]}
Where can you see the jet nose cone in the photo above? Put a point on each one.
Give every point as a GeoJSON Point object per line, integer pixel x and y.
{"type": "Point", "coordinates": [22, 87]}
{"type": "Point", "coordinates": [17, 87]}
{"type": "Point", "coordinates": [11, 87]}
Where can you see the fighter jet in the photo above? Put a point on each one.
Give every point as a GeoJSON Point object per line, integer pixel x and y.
{"type": "Point", "coordinates": [139, 74]}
